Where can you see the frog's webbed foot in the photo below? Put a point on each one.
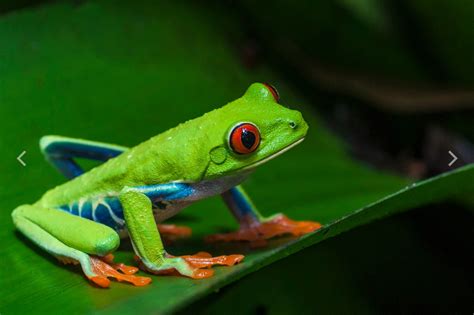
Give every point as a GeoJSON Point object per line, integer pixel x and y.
{"type": "Point", "coordinates": [258, 232]}
{"type": "Point", "coordinates": [171, 232]}
{"type": "Point", "coordinates": [205, 260]}
{"type": "Point", "coordinates": [128, 270]}
{"type": "Point", "coordinates": [103, 268]}
{"type": "Point", "coordinates": [197, 266]}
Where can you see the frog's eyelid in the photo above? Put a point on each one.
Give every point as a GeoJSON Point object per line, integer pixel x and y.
{"type": "Point", "coordinates": [273, 90]}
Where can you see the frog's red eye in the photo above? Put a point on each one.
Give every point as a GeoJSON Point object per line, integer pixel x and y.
{"type": "Point", "coordinates": [244, 138]}
{"type": "Point", "coordinates": [274, 91]}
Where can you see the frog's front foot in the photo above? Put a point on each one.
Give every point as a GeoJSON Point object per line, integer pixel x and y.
{"type": "Point", "coordinates": [103, 267]}
{"type": "Point", "coordinates": [195, 266]}
{"type": "Point", "coordinates": [258, 232]}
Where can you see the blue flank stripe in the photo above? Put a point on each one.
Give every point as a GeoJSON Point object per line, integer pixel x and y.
{"type": "Point", "coordinates": [64, 208]}
{"type": "Point", "coordinates": [75, 209]}
{"type": "Point", "coordinates": [116, 206]}
{"type": "Point", "coordinates": [102, 215]}
{"type": "Point", "coordinates": [86, 211]}
{"type": "Point", "coordinates": [172, 191]}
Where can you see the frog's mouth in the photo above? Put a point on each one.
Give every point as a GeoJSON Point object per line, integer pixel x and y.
{"type": "Point", "coordinates": [274, 155]}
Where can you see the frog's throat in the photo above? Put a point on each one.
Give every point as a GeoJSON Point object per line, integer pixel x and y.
{"type": "Point", "coordinates": [274, 155]}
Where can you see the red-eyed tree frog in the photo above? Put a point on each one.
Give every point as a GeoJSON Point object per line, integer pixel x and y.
{"type": "Point", "coordinates": [82, 220]}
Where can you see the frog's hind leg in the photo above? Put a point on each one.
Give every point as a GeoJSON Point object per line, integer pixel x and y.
{"type": "Point", "coordinates": [61, 152]}
{"type": "Point", "coordinates": [74, 239]}
{"type": "Point", "coordinates": [254, 228]}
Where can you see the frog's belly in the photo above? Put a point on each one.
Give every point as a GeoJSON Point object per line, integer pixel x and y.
{"type": "Point", "coordinates": [164, 209]}
{"type": "Point", "coordinates": [108, 209]}
{"type": "Point", "coordinates": [168, 209]}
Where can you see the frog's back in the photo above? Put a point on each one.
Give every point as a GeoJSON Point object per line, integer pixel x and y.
{"type": "Point", "coordinates": [171, 156]}
{"type": "Point", "coordinates": [105, 179]}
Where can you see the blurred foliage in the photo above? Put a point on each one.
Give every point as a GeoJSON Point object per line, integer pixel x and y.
{"type": "Point", "coordinates": [415, 41]}
{"type": "Point", "coordinates": [357, 36]}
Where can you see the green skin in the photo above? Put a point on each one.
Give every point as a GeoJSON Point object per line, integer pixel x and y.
{"type": "Point", "coordinates": [193, 152]}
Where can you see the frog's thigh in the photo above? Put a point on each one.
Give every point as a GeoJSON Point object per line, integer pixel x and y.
{"type": "Point", "coordinates": [61, 152]}
{"type": "Point", "coordinates": [78, 233]}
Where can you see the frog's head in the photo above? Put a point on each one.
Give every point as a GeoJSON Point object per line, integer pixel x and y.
{"type": "Point", "coordinates": [250, 131]}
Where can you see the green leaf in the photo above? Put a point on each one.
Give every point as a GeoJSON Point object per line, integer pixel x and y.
{"type": "Point", "coordinates": [123, 73]}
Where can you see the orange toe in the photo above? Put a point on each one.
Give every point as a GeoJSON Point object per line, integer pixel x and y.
{"type": "Point", "coordinates": [128, 270]}
{"type": "Point", "coordinates": [100, 281]}
{"type": "Point", "coordinates": [174, 231]}
{"type": "Point", "coordinates": [202, 273]}
{"type": "Point", "coordinates": [109, 259]}
{"type": "Point", "coordinates": [200, 263]}
{"type": "Point", "coordinates": [205, 260]}
{"type": "Point", "coordinates": [104, 270]}
{"type": "Point", "coordinates": [258, 233]}
{"type": "Point", "coordinates": [283, 225]}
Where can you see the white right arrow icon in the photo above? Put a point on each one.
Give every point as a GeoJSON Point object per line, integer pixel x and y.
{"type": "Point", "coordinates": [455, 158]}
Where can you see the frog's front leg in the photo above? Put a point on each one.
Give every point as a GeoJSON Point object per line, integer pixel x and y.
{"type": "Point", "coordinates": [149, 248]}
{"type": "Point", "coordinates": [253, 226]}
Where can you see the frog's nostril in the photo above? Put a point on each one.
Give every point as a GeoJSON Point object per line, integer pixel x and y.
{"type": "Point", "coordinates": [292, 125]}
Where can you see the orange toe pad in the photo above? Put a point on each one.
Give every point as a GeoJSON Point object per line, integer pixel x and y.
{"type": "Point", "coordinates": [104, 268]}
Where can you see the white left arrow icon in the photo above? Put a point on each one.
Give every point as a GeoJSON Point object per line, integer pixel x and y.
{"type": "Point", "coordinates": [455, 158]}
{"type": "Point", "coordinates": [19, 158]}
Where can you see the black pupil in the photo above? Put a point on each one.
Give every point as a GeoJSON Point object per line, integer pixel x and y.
{"type": "Point", "coordinates": [248, 138]}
